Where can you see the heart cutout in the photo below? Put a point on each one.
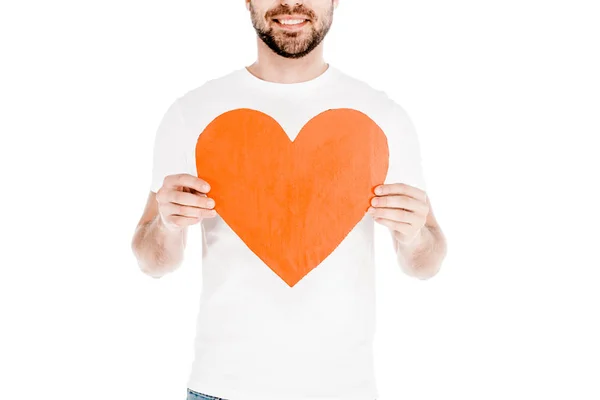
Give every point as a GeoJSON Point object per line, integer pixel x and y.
{"type": "Point", "coordinates": [292, 202]}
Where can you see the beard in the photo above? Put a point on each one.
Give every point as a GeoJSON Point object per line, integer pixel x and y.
{"type": "Point", "coordinates": [291, 44]}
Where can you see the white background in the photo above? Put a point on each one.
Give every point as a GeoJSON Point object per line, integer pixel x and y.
{"type": "Point", "coordinates": [505, 96]}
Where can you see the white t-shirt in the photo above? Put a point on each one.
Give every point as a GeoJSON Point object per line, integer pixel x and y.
{"type": "Point", "coordinates": [258, 338]}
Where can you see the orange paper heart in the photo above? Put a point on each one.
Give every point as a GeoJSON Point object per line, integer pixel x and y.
{"type": "Point", "coordinates": [292, 203]}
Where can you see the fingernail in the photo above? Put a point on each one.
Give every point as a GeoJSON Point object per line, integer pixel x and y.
{"type": "Point", "coordinates": [206, 188]}
{"type": "Point", "coordinates": [210, 203]}
{"type": "Point", "coordinates": [378, 190]}
{"type": "Point", "coordinates": [371, 210]}
{"type": "Point", "coordinates": [374, 202]}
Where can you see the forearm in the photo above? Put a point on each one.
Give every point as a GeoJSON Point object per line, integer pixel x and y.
{"type": "Point", "coordinates": [422, 258]}
{"type": "Point", "coordinates": [158, 250]}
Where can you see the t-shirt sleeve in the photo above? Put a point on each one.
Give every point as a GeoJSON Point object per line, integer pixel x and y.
{"type": "Point", "coordinates": [169, 155]}
{"type": "Point", "coordinates": [404, 150]}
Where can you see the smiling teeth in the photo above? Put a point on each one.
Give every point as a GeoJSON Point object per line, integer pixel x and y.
{"type": "Point", "coordinates": [291, 21]}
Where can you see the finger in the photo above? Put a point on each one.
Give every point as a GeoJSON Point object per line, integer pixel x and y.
{"type": "Point", "coordinates": [188, 199]}
{"type": "Point", "coordinates": [194, 191]}
{"type": "Point", "coordinates": [400, 188]}
{"type": "Point", "coordinates": [395, 214]}
{"type": "Point", "coordinates": [394, 225]}
{"type": "Point", "coordinates": [186, 180]}
{"type": "Point", "coordinates": [182, 221]}
{"type": "Point", "coordinates": [187, 211]}
{"type": "Point", "coordinates": [400, 201]}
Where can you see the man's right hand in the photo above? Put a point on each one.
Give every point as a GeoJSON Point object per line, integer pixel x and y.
{"type": "Point", "coordinates": [182, 201]}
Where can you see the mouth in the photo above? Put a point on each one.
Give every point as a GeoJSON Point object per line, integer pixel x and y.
{"type": "Point", "coordinates": [293, 22]}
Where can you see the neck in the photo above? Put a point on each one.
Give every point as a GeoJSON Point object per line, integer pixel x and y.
{"type": "Point", "coordinates": [271, 67]}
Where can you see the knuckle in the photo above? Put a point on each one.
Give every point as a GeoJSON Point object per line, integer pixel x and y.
{"type": "Point", "coordinates": [180, 210]}
{"type": "Point", "coordinates": [160, 195]}
{"type": "Point", "coordinates": [179, 221]}
{"type": "Point", "coordinates": [177, 179]}
{"type": "Point", "coordinates": [178, 197]}
{"type": "Point", "coordinates": [168, 180]}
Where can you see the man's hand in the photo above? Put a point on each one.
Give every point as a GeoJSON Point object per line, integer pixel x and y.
{"type": "Point", "coordinates": [402, 208]}
{"type": "Point", "coordinates": [182, 201]}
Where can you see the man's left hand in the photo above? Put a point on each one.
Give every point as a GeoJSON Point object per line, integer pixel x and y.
{"type": "Point", "coordinates": [402, 208]}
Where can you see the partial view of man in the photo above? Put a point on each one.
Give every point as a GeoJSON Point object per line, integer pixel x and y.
{"type": "Point", "coordinates": [259, 338]}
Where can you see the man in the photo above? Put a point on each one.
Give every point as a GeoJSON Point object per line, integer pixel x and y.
{"type": "Point", "coordinates": [264, 333]}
